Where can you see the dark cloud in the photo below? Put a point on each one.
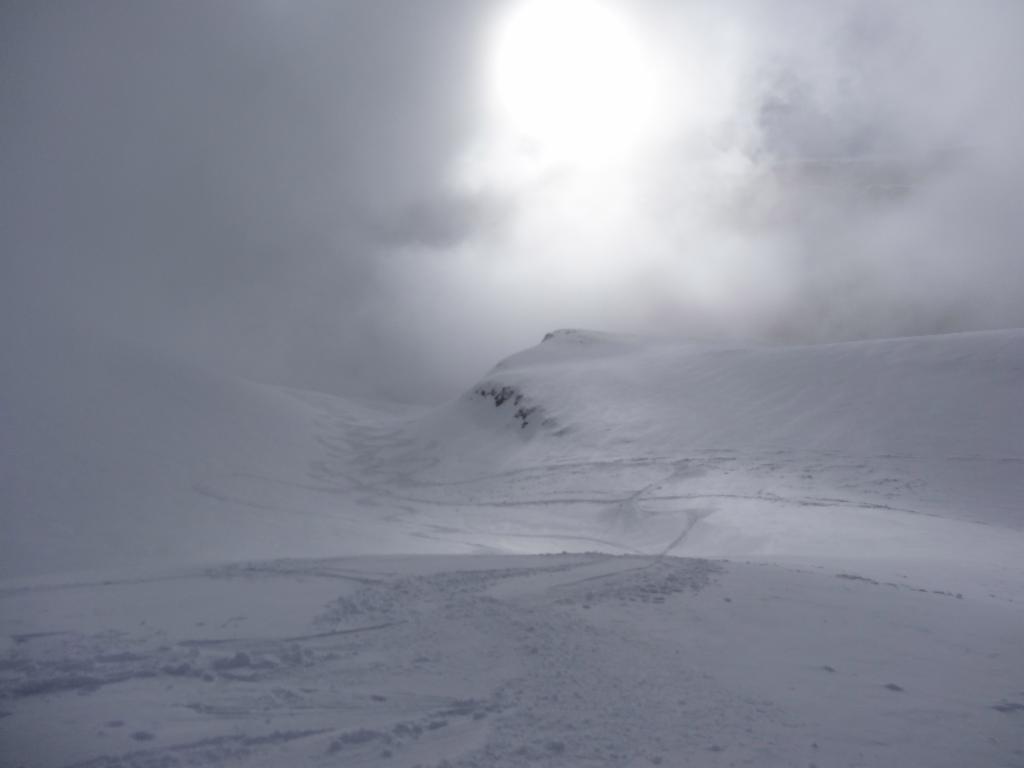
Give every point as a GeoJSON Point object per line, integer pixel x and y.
{"type": "Point", "coordinates": [202, 176]}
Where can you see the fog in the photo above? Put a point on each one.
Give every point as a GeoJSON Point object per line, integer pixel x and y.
{"type": "Point", "coordinates": [317, 194]}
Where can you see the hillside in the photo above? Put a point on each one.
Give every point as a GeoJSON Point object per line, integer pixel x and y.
{"type": "Point", "coordinates": [903, 445]}
{"type": "Point", "coordinates": [608, 551]}
{"type": "Point", "coordinates": [585, 441]}
{"type": "Point", "coordinates": [111, 457]}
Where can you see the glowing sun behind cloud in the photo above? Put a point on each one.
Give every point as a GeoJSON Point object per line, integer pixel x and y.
{"type": "Point", "coordinates": [573, 78]}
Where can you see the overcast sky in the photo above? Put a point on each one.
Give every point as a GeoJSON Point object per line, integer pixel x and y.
{"type": "Point", "coordinates": [320, 194]}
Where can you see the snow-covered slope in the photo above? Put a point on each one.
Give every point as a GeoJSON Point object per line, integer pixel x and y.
{"type": "Point", "coordinates": [850, 592]}
{"type": "Point", "coordinates": [899, 446]}
{"type": "Point", "coordinates": [507, 662]}
{"type": "Point", "coordinates": [110, 457]}
{"type": "Point", "coordinates": [585, 441]}
{"type": "Point", "coordinates": [939, 397]}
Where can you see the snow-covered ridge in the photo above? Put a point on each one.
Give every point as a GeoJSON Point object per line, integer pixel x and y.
{"type": "Point", "coordinates": [874, 448]}
{"type": "Point", "coordinates": [949, 409]}
{"type": "Point", "coordinates": [954, 395]}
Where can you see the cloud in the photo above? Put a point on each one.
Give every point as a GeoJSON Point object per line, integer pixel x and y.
{"type": "Point", "coordinates": [313, 194]}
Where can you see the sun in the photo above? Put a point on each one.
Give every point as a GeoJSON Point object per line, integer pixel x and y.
{"type": "Point", "coordinates": [572, 77]}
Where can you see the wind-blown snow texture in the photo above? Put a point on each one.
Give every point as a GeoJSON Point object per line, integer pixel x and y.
{"type": "Point", "coordinates": [783, 556]}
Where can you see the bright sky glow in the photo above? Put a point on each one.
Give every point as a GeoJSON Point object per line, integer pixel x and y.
{"type": "Point", "coordinates": [573, 78]}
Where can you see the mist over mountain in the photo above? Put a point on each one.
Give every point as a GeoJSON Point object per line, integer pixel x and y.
{"type": "Point", "coordinates": [504, 383]}
{"type": "Point", "coordinates": [325, 196]}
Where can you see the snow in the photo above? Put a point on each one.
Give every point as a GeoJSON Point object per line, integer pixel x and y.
{"type": "Point", "coordinates": [506, 661]}
{"type": "Point", "coordinates": [609, 551]}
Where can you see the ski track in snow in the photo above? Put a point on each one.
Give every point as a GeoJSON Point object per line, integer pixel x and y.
{"type": "Point", "coordinates": [511, 661]}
